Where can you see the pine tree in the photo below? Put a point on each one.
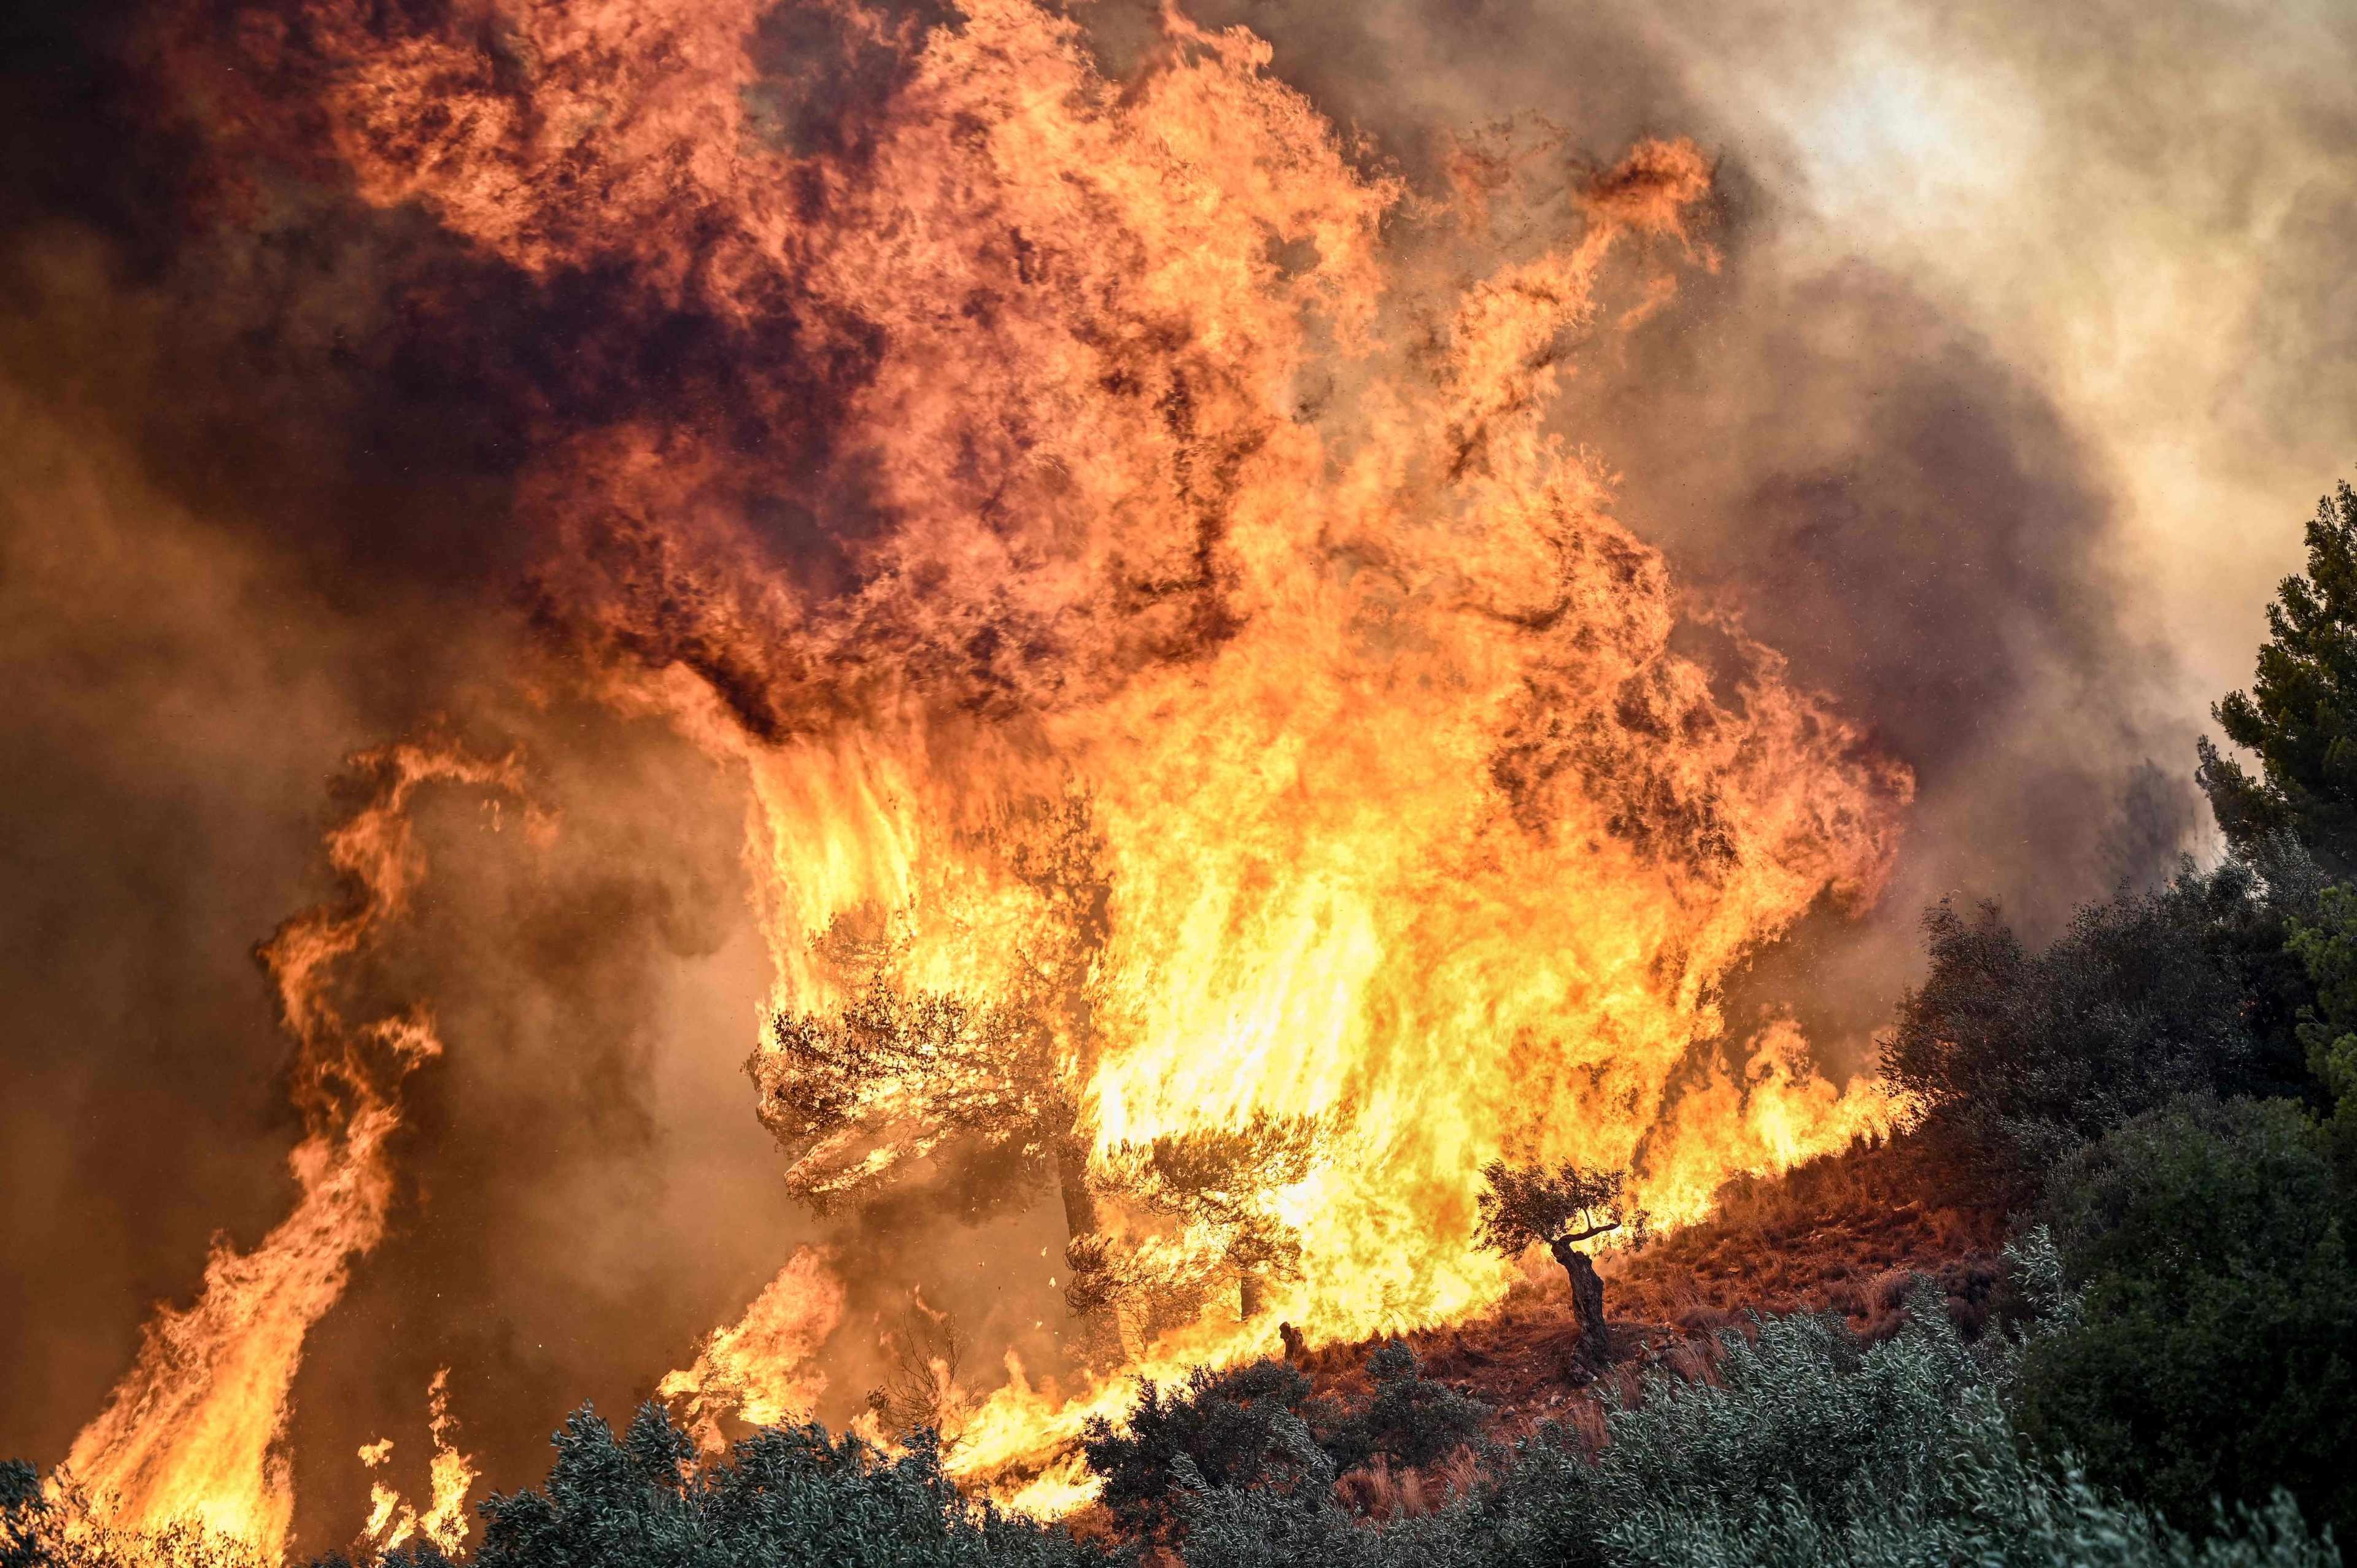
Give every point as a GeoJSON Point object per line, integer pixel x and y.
{"type": "Point", "coordinates": [2299, 717]}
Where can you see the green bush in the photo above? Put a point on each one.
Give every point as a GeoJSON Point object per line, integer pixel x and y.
{"type": "Point", "coordinates": [1243, 1426]}
{"type": "Point", "coordinates": [1816, 1449]}
{"type": "Point", "coordinates": [1259, 1427]}
{"type": "Point", "coordinates": [2214, 1352]}
{"type": "Point", "coordinates": [2179, 989]}
{"type": "Point", "coordinates": [1409, 1419]}
{"type": "Point", "coordinates": [786, 1495]}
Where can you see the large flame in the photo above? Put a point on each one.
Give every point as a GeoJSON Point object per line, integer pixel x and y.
{"type": "Point", "coordinates": [1208, 734]}
{"type": "Point", "coordinates": [761, 1369]}
{"type": "Point", "coordinates": [193, 1432]}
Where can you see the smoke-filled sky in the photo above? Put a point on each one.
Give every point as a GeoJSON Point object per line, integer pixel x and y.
{"type": "Point", "coordinates": [2028, 347]}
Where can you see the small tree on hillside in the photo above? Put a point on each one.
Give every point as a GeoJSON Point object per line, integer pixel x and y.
{"type": "Point", "coordinates": [1562, 1206]}
{"type": "Point", "coordinates": [2301, 714]}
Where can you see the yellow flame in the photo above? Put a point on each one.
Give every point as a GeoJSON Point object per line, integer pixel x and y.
{"type": "Point", "coordinates": [193, 1433]}
{"type": "Point", "coordinates": [393, 1520]}
{"type": "Point", "coordinates": [760, 1369]}
{"type": "Point", "coordinates": [1204, 477]}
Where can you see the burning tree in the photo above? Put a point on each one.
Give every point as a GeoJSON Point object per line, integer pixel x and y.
{"type": "Point", "coordinates": [1562, 1206]}
{"type": "Point", "coordinates": [1217, 1185]}
{"type": "Point", "coordinates": [902, 1072]}
{"type": "Point", "coordinates": [988, 1088]}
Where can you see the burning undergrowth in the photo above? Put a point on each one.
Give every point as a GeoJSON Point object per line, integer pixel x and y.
{"type": "Point", "coordinates": [1218, 771]}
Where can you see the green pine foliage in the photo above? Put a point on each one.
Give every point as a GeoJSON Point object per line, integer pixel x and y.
{"type": "Point", "coordinates": [2299, 717]}
{"type": "Point", "coordinates": [2327, 949]}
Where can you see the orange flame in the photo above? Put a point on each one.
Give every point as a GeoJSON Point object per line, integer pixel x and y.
{"type": "Point", "coordinates": [192, 1434]}
{"type": "Point", "coordinates": [450, 1476]}
{"type": "Point", "coordinates": [1170, 462]}
{"type": "Point", "coordinates": [759, 1370]}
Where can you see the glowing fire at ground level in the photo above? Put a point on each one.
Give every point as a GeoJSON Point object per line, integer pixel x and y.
{"type": "Point", "coordinates": [1235, 780]}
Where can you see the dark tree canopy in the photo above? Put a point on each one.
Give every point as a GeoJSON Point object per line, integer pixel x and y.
{"type": "Point", "coordinates": [1263, 1428]}
{"type": "Point", "coordinates": [2299, 717]}
{"type": "Point", "coordinates": [1526, 1206]}
{"type": "Point", "coordinates": [899, 1077]}
{"type": "Point", "coordinates": [2154, 993]}
{"type": "Point", "coordinates": [2327, 946]}
{"type": "Point", "coordinates": [2209, 1354]}
{"type": "Point", "coordinates": [1563, 1207]}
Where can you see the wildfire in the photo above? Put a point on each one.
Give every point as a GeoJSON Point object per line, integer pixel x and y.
{"type": "Point", "coordinates": [450, 1476]}
{"type": "Point", "coordinates": [758, 1370]}
{"type": "Point", "coordinates": [1211, 747]}
{"type": "Point", "coordinates": [192, 1434]}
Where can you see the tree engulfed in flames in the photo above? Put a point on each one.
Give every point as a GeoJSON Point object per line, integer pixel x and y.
{"type": "Point", "coordinates": [1213, 749]}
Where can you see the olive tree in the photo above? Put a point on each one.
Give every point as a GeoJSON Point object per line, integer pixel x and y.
{"type": "Point", "coordinates": [1563, 1207]}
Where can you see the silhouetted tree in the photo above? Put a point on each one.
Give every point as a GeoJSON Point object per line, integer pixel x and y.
{"type": "Point", "coordinates": [1562, 1206]}
{"type": "Point", "coordinates": [2027, 1055]}
{"type": "Point", "coordinates": [988, 1086]}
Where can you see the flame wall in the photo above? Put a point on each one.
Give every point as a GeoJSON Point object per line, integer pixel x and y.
{"type": "Point", "coordinates": [934, 411]}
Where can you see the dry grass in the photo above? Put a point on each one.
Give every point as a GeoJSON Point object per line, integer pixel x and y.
{"type": "Point", "coordinates": [1848, 1233]}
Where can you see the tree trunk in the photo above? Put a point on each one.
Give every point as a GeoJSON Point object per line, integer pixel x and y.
{"type": "Point", "coordinates": [1251, 1297]}
{"type": "Point", "coordinates": [1072, 1175]}
{"type": "Point", "coordinates": [1586, 1301]}
{"type": "Point", "coordinates": [1098, 1339]}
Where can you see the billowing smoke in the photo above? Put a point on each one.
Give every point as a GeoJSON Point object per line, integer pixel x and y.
{"type": "Point", "coordinates": [328, 420]}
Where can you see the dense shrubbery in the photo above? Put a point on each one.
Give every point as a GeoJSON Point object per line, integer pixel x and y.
{"type": "Point", "coordinates": [1261, 1427]}
{"type": "Point", "coordinates": [1817, 1448]}
{"type": "Point", "coordinates": [2179, 989]}
{"type": "Point", "coordinates": [2177, 1074]}
{"type": "Point", "coordinates": [2215, 1350]}
{"type": "Point", "coordinates": [786, 1495]}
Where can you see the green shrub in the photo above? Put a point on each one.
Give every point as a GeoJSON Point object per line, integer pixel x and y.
{"type": "Point", "coordinates": [1260, 1427]}
{"type": "Point", "coordinates": [2175, 989]}
{"type": "Point", "coordinates": [1243, 1426]}
{"type": "Point", "coordinates": [1410, 1419]}
{"type": "Point", "coordinates": [786, 1495]}
{"type": "Point", "coordinates": [2214, 1352]}
{"type": "Point", "coordinates": [1816, 1449]}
